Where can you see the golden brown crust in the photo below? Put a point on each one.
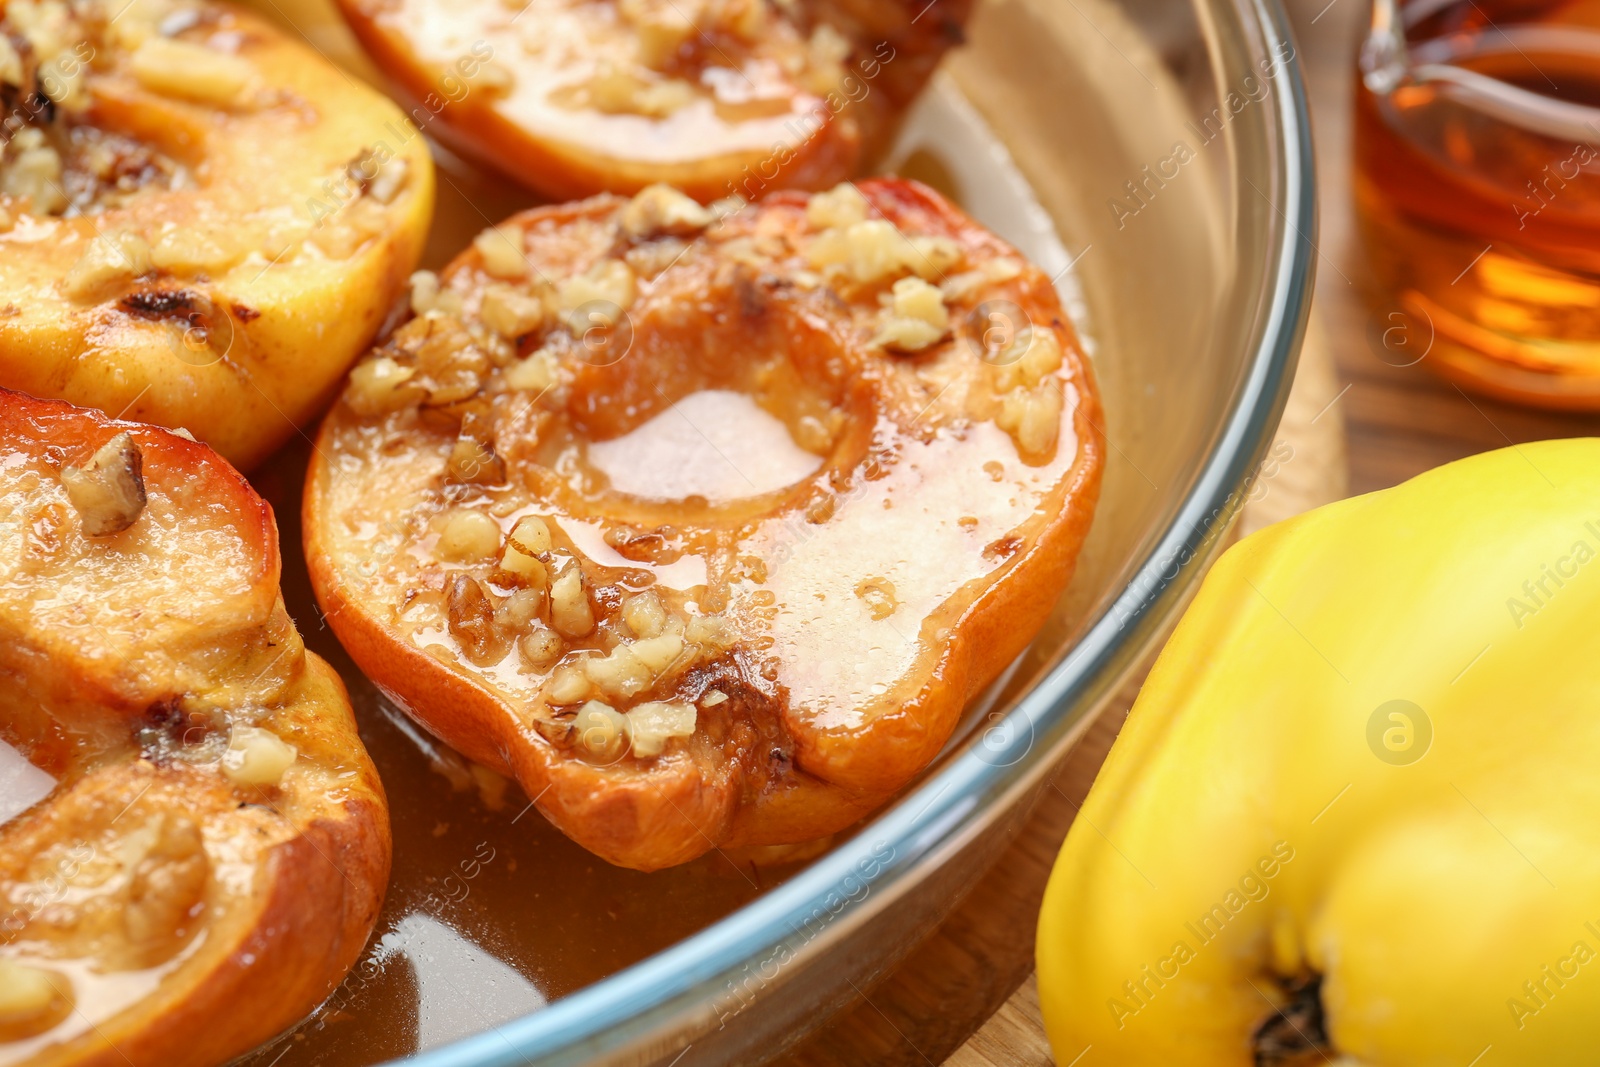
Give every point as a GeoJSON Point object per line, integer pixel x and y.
{"type": "Point", "coordinates": [791, 739]}
{"type": "Point", "coordinates": [234, 895]}
{"type": "Point", "coordinates": [834, 78]}
{"type": "Point", "coordinates": [228, 296]}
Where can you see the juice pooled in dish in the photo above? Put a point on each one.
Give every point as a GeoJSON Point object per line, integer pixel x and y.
{"type": "Point", "coordinates": [505, 529]}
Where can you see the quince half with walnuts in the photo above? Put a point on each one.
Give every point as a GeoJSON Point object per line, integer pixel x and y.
{"type": "Point", "coordinates": [715, 97]}
{"type": "Point", "coordinates": [203, 843]}
{"type": "Point", "coordinates": [202, 222]}
{"type": "Point", "coordinates": [707, 528]}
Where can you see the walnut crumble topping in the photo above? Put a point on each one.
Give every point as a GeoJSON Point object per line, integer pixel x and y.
{"type": "Point", "coordinates": [500, 345]}
{"type": "Point", "coordinates": [741, 59]}
{"type": "Point", "coordinates": [53, 161]}
{"type": "Point", "coordinates": [108, 491]}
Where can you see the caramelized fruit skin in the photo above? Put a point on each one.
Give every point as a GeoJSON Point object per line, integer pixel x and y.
{"type": "Point", "coordinates": [255, 280]}
{"type": "Point", "coordinates": [765, 102]}
{"type": "Point", "coordinates": [234, 898]}
{"type": "Point", "coordinates": [827, 633]}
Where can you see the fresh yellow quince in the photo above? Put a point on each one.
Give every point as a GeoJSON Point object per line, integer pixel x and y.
{"type": "Point", "coordinates": [1354, 816]}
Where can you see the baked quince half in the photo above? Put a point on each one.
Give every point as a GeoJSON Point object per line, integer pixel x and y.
{"type": "Point", "coordinates": [716, 97]}
{"type": "Point", "coordinates": [205, 843]}
{"type": "Point", "coordinates": [706, 529]}
{"type": "Point", "coordinates": [202, 222]}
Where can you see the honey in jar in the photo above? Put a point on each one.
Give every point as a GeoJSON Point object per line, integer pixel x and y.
{"type": "Point", "coordinates": [1477, 185]}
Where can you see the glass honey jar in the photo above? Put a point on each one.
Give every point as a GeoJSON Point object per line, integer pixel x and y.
{"type": "Point", "coordinates": [1477, 186]}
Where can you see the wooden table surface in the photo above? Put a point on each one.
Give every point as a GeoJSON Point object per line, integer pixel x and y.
{"type": "Point", "coordinates": [1398, 422]}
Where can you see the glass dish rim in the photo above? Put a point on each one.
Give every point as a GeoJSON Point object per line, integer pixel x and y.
{"type": "Point", "coordinates": [656, 996]}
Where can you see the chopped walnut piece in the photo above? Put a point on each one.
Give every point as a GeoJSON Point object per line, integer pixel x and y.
{"type": "Point", "coordinates": [511, 313]}
{"type": "Point", "coordinates": [632, 667]}
{"type": "Point", "coordinates": [605, 290]}
{"type": "Point", "coordinates": [958, 287]}
{"type": "Point", "coordinates": [602, 731]}
{"type": "Point", "coordinates": [536, 374]}
{"type": "Point", "coordinates": [727, 206]}
{"type": "Point", "coordinates": [644, 614]}
{"type": "Point", "coordinates": [470, 615]}
{"type": "Point", "coordinates": [658, 654]}
{"type": "Point", "coordinates": [829, 50]}
{"type": "Point", "coordinates": [108, 491]}
{"type": "Point", "coordinates": [933, 256]}
{"type": "Point", "coordinates": [559, 732]}
{"type": "Point", "coordinates": [619, 674]}
{"type": "Point", "coordinates": [427, 296]}
{"type": "Point", "coordinates": [541, 648]}
{"type": "Point", "coordinates": [567, 685]}
{"type": "Point", "coordinates": [256, 756]}
{"type": "Point", "coordinates": [190, 71]}
{"type": "Point", "coordinates": [616, 90]}
{"type": "Point", "coordinates": [381, 385]}
{"type": "Point", "coordinates": [1003, 269]}
{"type": "Point", "coordinates": [570, 612]}
{"type": "Point", "coordinates": [528, 539]}
{"type": "Point", "coordinates": [650, 258]}
{"type": "Point", "coordinates": [918, 319]}
{"type": "Point", "coordinates": [1032, 354]}
{"type": "Point", "coordinates": [843, 205]}
{"type": "Point", "coordinates": [449, 364]}
{"type": "Point", "coordinates": [661, 209]}
{"type": "Point", "coordinates": [531, 534]}
{"type": "Point", "coordinates": [520, 610]}
{"type": "Point", "coordinates": [651, 725]}
{"type": "Point", "coordinates": [866, 252]}
{"type": "Point", "coordinates": [662, 98]}
{"type": "Point", "coordinates": [468, 536]}
{"type": "Point", "coordinates": [500, 248]}
{"type": "Point", "coordinates": [527, 570]}
{"type": "Point", "coordinates": [1032, 417]}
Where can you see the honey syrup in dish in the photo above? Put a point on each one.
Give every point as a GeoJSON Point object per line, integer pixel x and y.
{"type": "Point", "coordinates": [491, 912]}
{"type": "Point", "coordinates": [688, 450]}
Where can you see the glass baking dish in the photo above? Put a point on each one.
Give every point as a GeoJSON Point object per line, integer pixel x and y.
{"type": "Point", "coordinates": [1153, 154]}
